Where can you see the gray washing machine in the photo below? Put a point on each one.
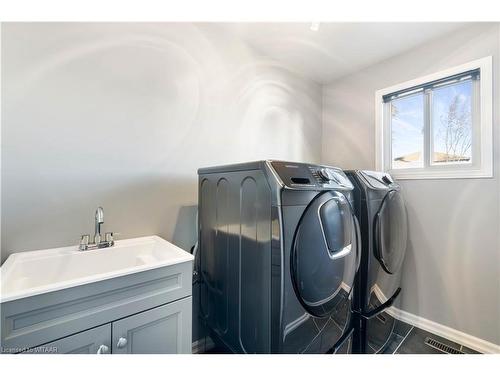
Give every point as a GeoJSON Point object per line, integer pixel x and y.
{"type": "Point", "coordinates": [278, 253]}
{"type": "Point", "coordinates": [381, 212]}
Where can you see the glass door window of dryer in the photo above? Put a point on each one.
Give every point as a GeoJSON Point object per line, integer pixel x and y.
{"type": "Point", "coordinates": [390, 231]}
{"type": "Point", "coordinates": [323, 258]}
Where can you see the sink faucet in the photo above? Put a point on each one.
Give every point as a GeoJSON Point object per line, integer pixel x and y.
{"type": "Point", "coordinates": [99, 219]}
{"type": "Point", "coordinates": [98, 243]}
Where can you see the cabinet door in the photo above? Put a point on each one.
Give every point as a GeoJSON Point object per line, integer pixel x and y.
{"type": "Point", "coordinates": [162, 330]}
{"type": "Point", "coordinates": [93, 341]}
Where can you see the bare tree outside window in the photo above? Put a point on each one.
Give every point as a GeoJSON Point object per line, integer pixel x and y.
{"type": "Point", "coordinates": [457, 134]}
{"type": "Point", "coordinates": [453, 139]}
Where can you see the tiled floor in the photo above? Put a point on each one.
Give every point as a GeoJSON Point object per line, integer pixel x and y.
{"type": "Point", "coordinates": [414, 342]}
{"type": "Point", "coordinates": [401, 331]}
{"type": "Point", "coordinates": [406, 339]}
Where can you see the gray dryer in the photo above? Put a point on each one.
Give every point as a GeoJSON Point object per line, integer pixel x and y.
{"type": "Point", "coordinates": [278, 253]}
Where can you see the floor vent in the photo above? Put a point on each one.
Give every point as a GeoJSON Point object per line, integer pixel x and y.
{"type": "Point", "coordinates": [441, 347]}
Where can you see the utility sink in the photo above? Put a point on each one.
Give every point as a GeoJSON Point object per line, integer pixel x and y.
{"type": "Point", "coordinates": [30, 273]}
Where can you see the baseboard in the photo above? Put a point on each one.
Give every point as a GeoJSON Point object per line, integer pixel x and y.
{"type": "Point", "coordinates": [452, 334]}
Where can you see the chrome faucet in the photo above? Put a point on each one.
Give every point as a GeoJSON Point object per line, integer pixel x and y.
{"type": "Point", "coordinates": [98, 243]}
{"type": "Point", "coordinates": [99, 219]}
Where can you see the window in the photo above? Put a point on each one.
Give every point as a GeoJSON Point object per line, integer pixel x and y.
{"type": "Point", "coordinates": [438, 126]}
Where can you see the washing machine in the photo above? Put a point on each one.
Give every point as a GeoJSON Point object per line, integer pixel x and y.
{"type": "Point", "coordinates": [381, 212]}
{"type": "Point", "coordinates": [278, 253]}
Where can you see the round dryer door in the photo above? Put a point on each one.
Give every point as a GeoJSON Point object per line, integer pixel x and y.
{"type": "Point", "coordinates": [390, 232]}
{"type": "Point", "coordinates": [323, 257]}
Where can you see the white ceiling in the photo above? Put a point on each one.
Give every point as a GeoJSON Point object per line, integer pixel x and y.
{"type": "Point", "coordinates": [336, 49]}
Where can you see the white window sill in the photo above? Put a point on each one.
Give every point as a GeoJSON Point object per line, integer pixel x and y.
{"type": "Point", "coordinates": [438, 175]}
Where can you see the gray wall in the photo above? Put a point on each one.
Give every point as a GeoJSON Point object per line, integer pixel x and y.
{"type": "Point", "coordinates": [122, 115]}
{"type": "Point", "coordinates": [451, 274]}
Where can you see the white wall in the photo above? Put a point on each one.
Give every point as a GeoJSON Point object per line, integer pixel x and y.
{"type": "Point", "coordinates": [122, 115]}
{"type": "Point", "coordinates": [451, 274]}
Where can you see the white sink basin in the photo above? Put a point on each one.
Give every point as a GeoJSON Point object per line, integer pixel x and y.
{"type": "Point", "coordinates": [35, 272]}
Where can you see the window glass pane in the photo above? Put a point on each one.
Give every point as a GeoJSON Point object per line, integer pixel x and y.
{"type": "Point", "coordinates": [407, 131]}
{"type": "Point", "coordinates": [451, 123]}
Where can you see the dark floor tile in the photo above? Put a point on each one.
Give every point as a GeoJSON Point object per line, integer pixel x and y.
{"type": "Point", "coordinates": [346, 347]}
{"type": "Point", "coordinates": [342, 313]}
{"type": "Point", "coordinates": [393, 344]}
{"type": "Point", "coordinates": [402, 328]}
{"type": "Point", "coordinates": [314, 347]}
{"type": "Point", "coordinates": [213, 347]}
{"type": "Point", "coordinates": [217, 350]}
{"type": "Point", "coordinates": [467, 350]}
{"type": "Point", "coordinates": [329, 336]}
{"type": "Point", "coordinates": [378, 332]}
{"type": "Point", "coordinates": [414, 343]}
{"type": "Point", "coordinates": [298, 339]}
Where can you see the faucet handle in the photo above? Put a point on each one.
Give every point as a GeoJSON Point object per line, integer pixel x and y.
{"type": "Point", "coordinates": [109, 237]}
{"type": "Point", "coordinates": [84, 242]}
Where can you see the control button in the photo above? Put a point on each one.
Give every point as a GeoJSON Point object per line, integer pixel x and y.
{"type": "Point", "coordinates": [387, 179]}
{"type": "Point", "coordinates": [325, 174]}
{"type": "Point", "coordinates": [328, 175]}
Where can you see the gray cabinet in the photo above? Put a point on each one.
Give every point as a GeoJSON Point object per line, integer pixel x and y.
{"type": "Point", "coordinates": [162, 330]}
{"type": "Point", "coordinates": [150, 309]}
{"type": "Point", "coordinates": [93, 341]}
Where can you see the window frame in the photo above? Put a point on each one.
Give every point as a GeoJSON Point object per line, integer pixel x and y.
{"type": "Point", "coordinates": [482, 148]}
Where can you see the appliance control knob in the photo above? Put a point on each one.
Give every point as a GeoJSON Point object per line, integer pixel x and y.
{"type": "Point", "coordinates": [387, 179]}
{"type": "Point", "coordinates": [325, 174]}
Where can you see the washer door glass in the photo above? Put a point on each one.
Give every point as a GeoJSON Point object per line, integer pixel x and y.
{"type": "Point", "coordinates": [391, 232]}
{"type": "Point", "coordinates": [323, 257]}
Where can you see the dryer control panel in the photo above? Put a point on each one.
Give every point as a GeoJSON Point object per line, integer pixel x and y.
{"type": "Point", "coordinates": [379, 180]}
{"type": "Point", "coordinates": [310, 176]}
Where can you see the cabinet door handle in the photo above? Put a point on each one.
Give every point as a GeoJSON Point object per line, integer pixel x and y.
{"type": "Point", "coordinates": [103, 349]}
{"type": "Point", "coordinates": [122, 342]}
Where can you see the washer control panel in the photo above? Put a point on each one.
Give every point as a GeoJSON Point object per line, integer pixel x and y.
{"type": "Point", "coordinates": [310, 176]}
